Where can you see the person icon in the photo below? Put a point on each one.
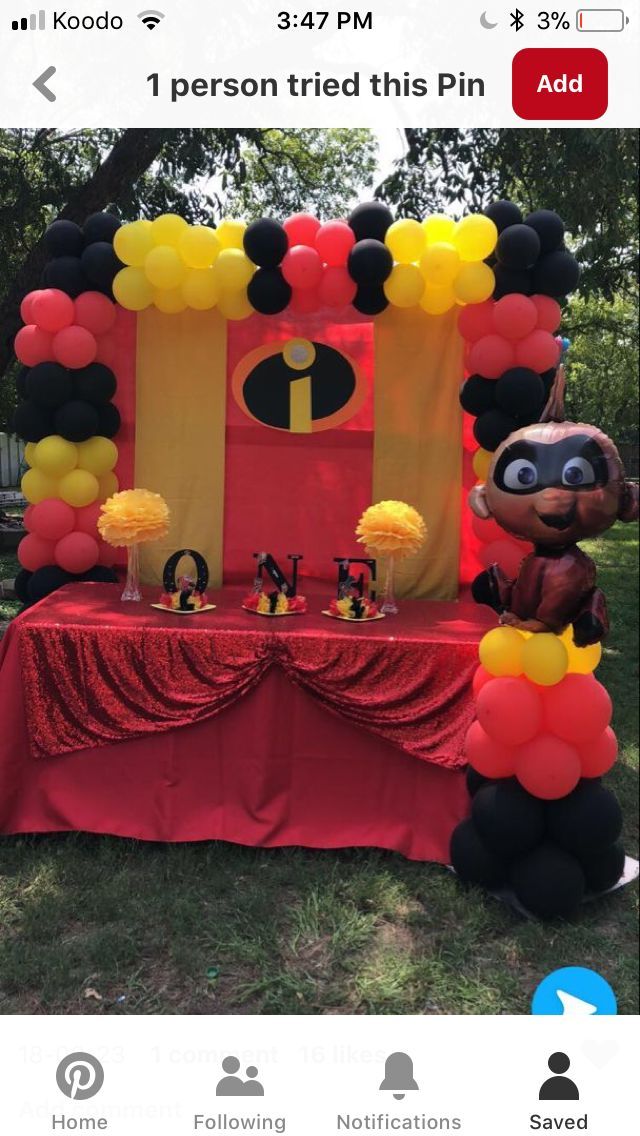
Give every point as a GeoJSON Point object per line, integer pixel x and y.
{"type": "Point", "coordinates": [230, 1086]}
{"type": "Point", "coordinates": [559, 1087]}
{"type": "Point", "coordinates": [252, 1087]}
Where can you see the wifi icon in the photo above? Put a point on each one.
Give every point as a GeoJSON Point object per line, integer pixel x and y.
{"type": "Point", "coordinates": [151, 18]}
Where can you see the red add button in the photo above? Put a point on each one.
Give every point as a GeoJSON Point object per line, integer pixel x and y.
{"type": "Point", "coordinates": [560, 83]}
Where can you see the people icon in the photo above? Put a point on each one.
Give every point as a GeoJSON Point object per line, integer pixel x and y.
{"type": "Point", "coordinates": [234, 1086]}
{"type": "Point", "coordinates": [559, 1087]}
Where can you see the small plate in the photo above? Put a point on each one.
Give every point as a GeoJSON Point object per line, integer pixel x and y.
{"type": "Point", "coordinates": [346, 619]}
{"type": "Point", "coordinates": [272, 614]}
{"type": "Point", "coordinates": [177, 611]}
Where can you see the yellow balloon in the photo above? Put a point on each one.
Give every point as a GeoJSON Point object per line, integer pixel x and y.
{"type": "Point", "coordinates": [233, 270]}
{"type": "Point", "coordinates": [78, 488]}
{"type": "Point", "coordinates": [230, 234]}
{"type": "Point", "coordinates": [164, 268]}
{"type": "Point", "coordinates": [474, 283]}
{"type": "Point", "coordinates": [440, 263]}
{"type": "Point", "coordinates": [405, 286]}
{"type": "Point", "coordinates": [199, 246]}
{"type": "Point", "coordinates": [168, 229]}
{"type": "Point", "coordinates": [582, 660]}
{"type": "Point", "coordinates": [36, 486]}
{"type": "Point", "coordinates": [132, 289]}
{"type": "Point", "coordinates": [133, 242]}
{"type": "Point", "coordinates": [545, 659]}
{"type": "Point", "coordinates": [98, 455]}
{"type": "Point", "coordinates": [439, 228]}
{"type": "Point", "coordinates": [169, 300]}
{"type": "Point", "coordinates": [201, 289]}
{"type": "Point", "coordinates": [108, 484]}
{"type": "Point", "coordinates": [235, 306]}
{"type": "Point", "coordinates": [437, 300]}
{"type": "Point", "coordinates": [405, 240]}
{"type": "Point", "coordinates": [475, 237]}
{"type": "Point", "coordinates": [55, 456]}
{"type": "Point", "coordinates": [481, 462]}
{"type": "Point", "coordinates": [501, 650]}
{"type": "Point", "coordinates": [30, 453]}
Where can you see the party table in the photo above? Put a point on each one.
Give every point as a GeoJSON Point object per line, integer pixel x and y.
{"type": "Point", "coordinates": [123, 719]}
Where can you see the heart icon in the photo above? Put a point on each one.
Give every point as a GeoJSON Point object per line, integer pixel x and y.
{"type": "Point", "coordinates": [600, 1052]}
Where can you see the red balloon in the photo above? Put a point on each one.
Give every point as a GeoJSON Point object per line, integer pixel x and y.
{"type": "Point", "coordinates": [480, 679]}
{"type": "Point", "coordinates": [107, 555]}
{"type": "Point", "coordinates": [487, 757]}
{"type": "Point", "coordinates": [86, 519]}
{"type": "Point", "coordinates": [302, 267]}
{"type": "Point", "coordinates": [598, 756]}
{"type": "Point", "coordinates": [491, 356]}
{"type": "Point", "coordinates": [476, 320]}
{"type": "Point", "coordinates": [76, 553]}
{"type": "Point", "coordinates": [489, 530]}
{"type": "Point", "coordinates": [301, 229]}
{"type": "Point", "coordinates": [34, 552]}
{"type": "Point", "coordinates": [514, 316]}
{"type": "Point", "coordinates": [507, 554]}
{"type": "Point", "coordinates": [336, 288]}
{"type": "Point", "coordinates": [547, 767]}
{"type": "Point", "coordinates": [52, 519]}
{"type": "Point", "coordinates": [549, 312]}
{"type": "Point", "coordinates": [577, 709]}
{"type": "Point", "coordinates": [74, 347]}
{"type": "Point", "coordinates": [106, 351]}
{"type": "Point", "coordinates": [33, 346]}
{"type": "Point", "coordinates": [27, 516]}
{"type": "Point", "coordinates": [334, 241]}
{"type": "Point", "coordinates": [537, 351]}
{"type": "Point", "coordinates": [95, 312]}
{"type": "Point", "coordinates": [304, 301]}
{"type": "Point", "coordinates": [509, 710]}
{"type": "Point", "coordinates": [26, 307]}
{"type": "Point", "coordinates": [53, 310]}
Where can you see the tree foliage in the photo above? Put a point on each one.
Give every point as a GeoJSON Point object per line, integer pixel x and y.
{"type": "Point", "coordinates": [602, 370]}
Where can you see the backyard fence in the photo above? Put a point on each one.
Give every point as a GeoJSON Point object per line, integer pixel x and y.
{"type": "Point", "coordinates": [12, 464]}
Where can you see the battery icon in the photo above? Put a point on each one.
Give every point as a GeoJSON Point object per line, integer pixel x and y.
{"type": "Point", "coordinates": [601, 20]}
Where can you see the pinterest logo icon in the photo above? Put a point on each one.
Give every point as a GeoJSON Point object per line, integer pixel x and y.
{"type": "Point", "coordinates": [80, 1076]}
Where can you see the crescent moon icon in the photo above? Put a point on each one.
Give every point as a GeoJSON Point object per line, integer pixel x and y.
{"type": "Point", "coordinates": [486, 23]}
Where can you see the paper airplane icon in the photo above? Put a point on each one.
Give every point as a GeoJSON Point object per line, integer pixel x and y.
{"type": "Point", "coordinates": [575, 1006]}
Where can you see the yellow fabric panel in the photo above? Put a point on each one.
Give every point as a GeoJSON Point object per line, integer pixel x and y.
{"type": "Point", "coordinates": [181, 381]}
{"type": "Point", "coordinates": [418, 439]}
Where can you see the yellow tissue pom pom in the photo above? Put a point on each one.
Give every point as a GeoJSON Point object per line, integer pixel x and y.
{"type": "Point", "coordinates": [392, 528]}
{"type": "Point", "coordinates": [133, 516]}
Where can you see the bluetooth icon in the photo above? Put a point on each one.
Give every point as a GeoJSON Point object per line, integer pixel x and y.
{"type": "Point", "coordinates": [517, 19]}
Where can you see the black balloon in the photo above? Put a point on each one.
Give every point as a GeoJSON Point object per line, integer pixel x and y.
{"type": "Point", "coordinates": [587, 820]}
{"type": "Point", "coordinates": [100, 264]}
{"type": "Point", "coordinates": [520, 393]}
{"type": "Point", "coordinates": [45, 581]}
{"type": "Point", "coordinates": [31, 421]}
{"type": "Point", "coordinates": [477, 395]}
{"type": "Point", "coordinates": [503, 214]}
{"type": "Point", "coordinates": [370, 299]}
{"type": "Point", "coordinates": [49, 385]}
{"type": "Point", "coordinates": [95, 383]}
{"type": "Point", "coordinates": [549, 227]}
{"type": "Point", "coordinates": [473, 861]}
{"type": "Point", "coordinates": [109, 420]}
{"type": "Point", "coordinates": [476, 780]}
{"type": "Point", "coordinates": [21, 585]}
{"type": "Point", "coordinates": [371, 221]}
{"type": "Point", "coordinates": [518, 247]}
{"type": "Point", "coordinates": [556, 274]}
{"type": "Point", "coordinates": [603, 869]}
{"type": "Point", "coordinates": [510, 821]}
{"type": "Point", "coordinates": [76, 421]}
{"type": "Point", "coordinates": [491, 428]}
{"type": "Point", "coordinates": [21, 382]}
{"type": "Point", "coordinates": [547, 380]}
{"type": "Point", "coordinates": [265, 243]}
{"type": "Point", "coordinates": [66, 273]}
{"type": "Point", "coordinates": [548, 882]}
{"type": "Point", "coordinates": [370, 262]}
{"type": "Point", "coordinates": [100, 227]}
{"type": "Point", "coordinates": [509, 281]}
{"type": "Point", "coordinates": [100, 575]}
{"type": "Point", "coordinates": [268, 291]}
{"type": "Point", "coordinates": [64, 238]}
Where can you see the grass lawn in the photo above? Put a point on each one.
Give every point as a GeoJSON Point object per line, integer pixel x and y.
{"type": "Point", "coordinates": [99, 925]}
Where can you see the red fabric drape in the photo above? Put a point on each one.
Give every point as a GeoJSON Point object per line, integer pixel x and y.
{"type": "Point", "coordinates": [95, 673]}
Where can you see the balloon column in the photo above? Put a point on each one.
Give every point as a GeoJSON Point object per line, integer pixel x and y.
{"type": "Point", "coordinates": [65, 413]}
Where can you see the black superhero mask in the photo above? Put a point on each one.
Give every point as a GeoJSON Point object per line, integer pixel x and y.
{"type": "Point", "coordinates": [576, 462]}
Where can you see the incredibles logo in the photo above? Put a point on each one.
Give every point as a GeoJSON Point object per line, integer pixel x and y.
{"type": "Point", "coordinates": [299, 386]}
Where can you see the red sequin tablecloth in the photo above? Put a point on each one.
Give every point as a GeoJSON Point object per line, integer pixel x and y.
{"type": "Point", "coordinates": [124, 719]}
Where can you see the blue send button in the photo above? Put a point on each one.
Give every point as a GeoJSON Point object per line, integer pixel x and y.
{"type": "Point", "coordinates": [574, 991]}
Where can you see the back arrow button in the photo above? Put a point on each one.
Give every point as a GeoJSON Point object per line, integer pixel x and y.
{"type": "Point", "coordinates": [40, 84]}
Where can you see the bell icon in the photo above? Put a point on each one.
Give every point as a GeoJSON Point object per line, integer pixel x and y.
{"type": "Point", "coordinates": [398, 1075]}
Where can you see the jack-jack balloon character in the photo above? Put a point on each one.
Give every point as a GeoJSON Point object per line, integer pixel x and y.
{"type": "Point", "coordinates": [553, 483]}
